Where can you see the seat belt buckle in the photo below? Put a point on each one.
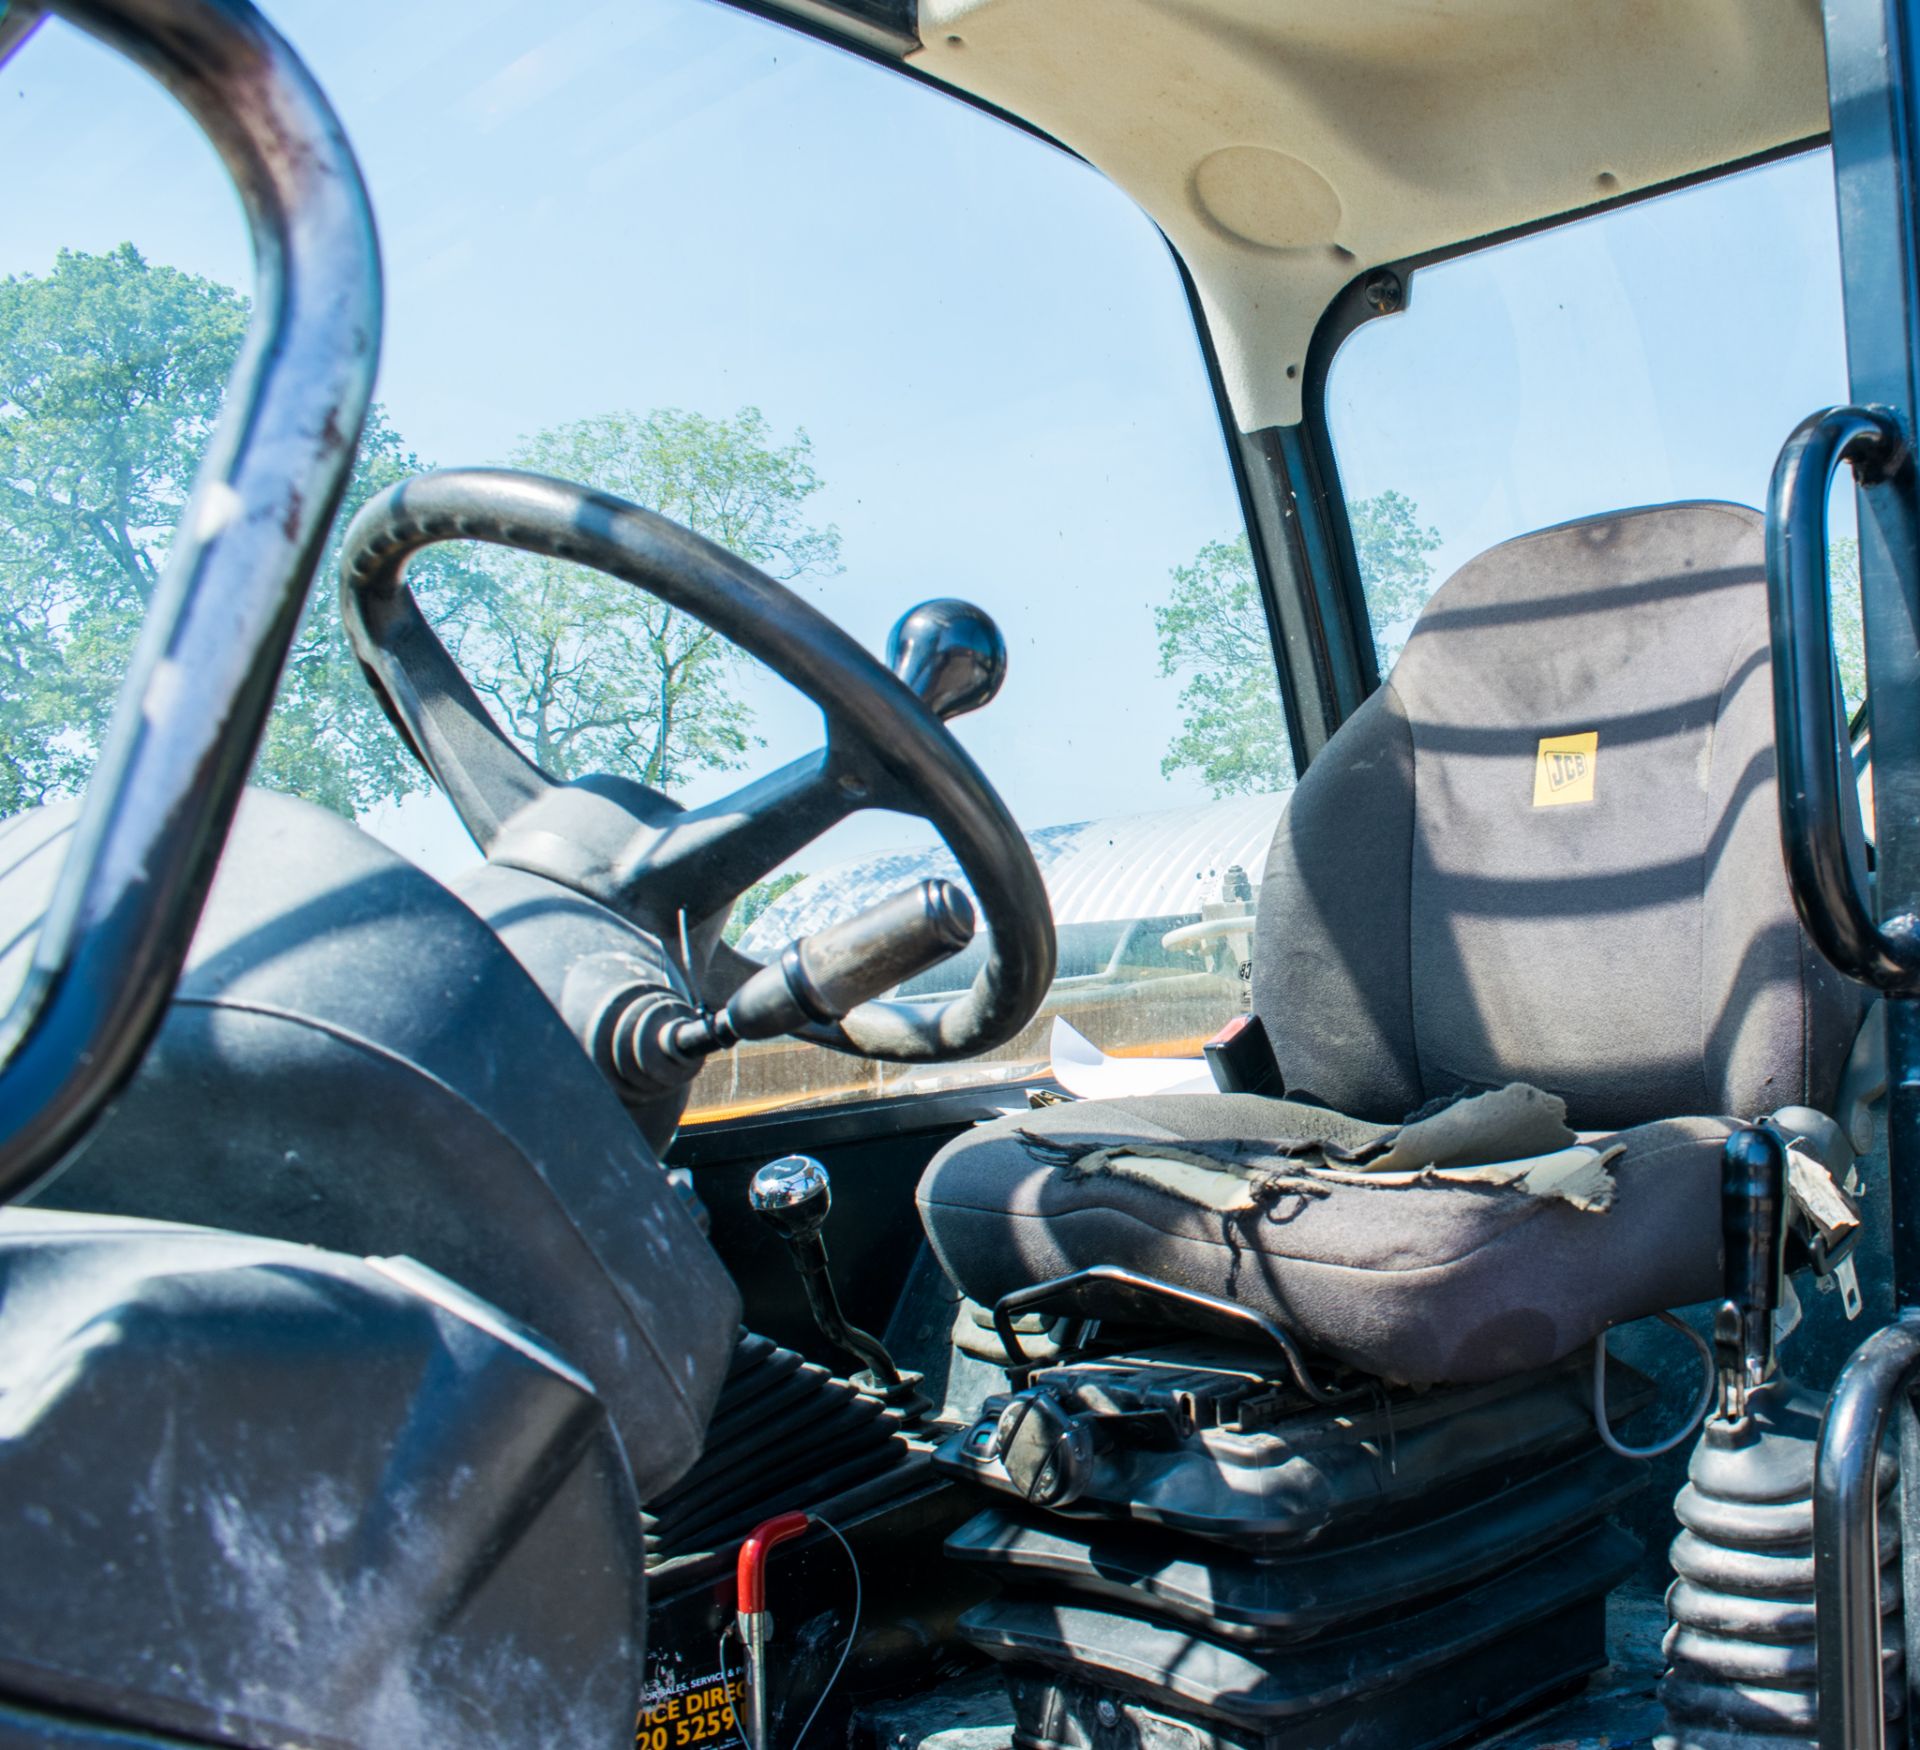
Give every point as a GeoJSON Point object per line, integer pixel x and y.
{"type": "Point", "coordinates": [1241, 1058]}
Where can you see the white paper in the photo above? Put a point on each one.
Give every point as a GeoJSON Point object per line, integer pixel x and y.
{"type": "Point", "coordinates": [1082, 1068]}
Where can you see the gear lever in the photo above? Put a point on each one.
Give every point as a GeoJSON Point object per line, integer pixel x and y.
{"type": "Point", "coordinates": [792, 1196]}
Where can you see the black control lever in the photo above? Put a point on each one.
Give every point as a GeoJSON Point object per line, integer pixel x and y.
{"type": "Point", "coordinates": [1753, 1225]}
{"type": "Point", "coordinates": [657, 1042]}
{"type": "Point", "coordinates": [950, 653]}
{"type": "Point", "coordinates": [820, 977]}
{"type": "Point", "coordinates": [793, 1196]}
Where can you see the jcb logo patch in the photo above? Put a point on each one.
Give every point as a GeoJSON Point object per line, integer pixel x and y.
{"type": "Point", "coordinates": [1565, 768]}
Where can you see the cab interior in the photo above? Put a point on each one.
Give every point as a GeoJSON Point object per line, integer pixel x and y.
{"type": "Point", "coordinates": [1334, 1184]}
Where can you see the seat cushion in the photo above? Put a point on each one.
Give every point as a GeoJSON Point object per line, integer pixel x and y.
{"type": "Point", "coordinates": [1415, 1279]}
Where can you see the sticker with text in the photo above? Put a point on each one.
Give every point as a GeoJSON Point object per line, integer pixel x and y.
{"type": "Point", "coordinates": [696, 1711]}
{"type": "Point", "coordinates": [1564, 770]}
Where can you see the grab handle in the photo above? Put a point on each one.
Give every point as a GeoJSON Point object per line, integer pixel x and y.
{"type": "Point", "coordinates": [175, 760]}
{"type": "Point", "coordinates": [1878, 1382]}
{"type": "Point", "coordinates": [1826, 889]}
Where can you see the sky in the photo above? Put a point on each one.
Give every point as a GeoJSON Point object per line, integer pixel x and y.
{"type": "Point", "coordinates": [649, 203]}
{"type": "Point", "coordinates": [666, 203]}
{"type": "Point", "coordinates": [1660, 351]}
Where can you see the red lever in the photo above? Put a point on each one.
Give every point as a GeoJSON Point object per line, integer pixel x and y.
{"type": "Point", "coordinates": [752, 1572]}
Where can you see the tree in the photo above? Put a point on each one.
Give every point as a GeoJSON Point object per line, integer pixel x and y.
{"type": "Point", "coordinates": [592, 674]}
{"type": "Point", "coordinates": [111, 378]}
{"type": "Point", "coordinates": [1213, 630]}
{"type": "Point", "coordinates": [1396, 574]}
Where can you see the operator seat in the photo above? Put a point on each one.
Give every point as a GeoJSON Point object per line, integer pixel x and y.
{"type": "Point", "coordinates": [1545, 851]}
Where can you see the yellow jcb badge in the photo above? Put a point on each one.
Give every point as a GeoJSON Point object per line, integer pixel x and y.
{"type": "Point", "coordinates": [1564, 771]}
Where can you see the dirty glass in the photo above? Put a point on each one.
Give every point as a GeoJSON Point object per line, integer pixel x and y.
{"type": "Point", "coordinates": [1655, 352]}
{"type": "Point", "coordinates": [651, 245]}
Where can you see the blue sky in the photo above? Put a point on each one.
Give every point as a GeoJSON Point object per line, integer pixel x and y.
{"type": "Point", "coordinates": [667, 203]}
{"type": "Point", "coordinates": [661, 202]}
{"type": "Point", "coordinates": [1657, 352]}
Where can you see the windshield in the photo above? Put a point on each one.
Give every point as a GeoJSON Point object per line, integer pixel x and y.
{"type": "Point", "coordinates": [653, 247]}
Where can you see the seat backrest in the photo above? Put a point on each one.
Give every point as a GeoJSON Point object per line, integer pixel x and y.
{"type": "Point", "coordinates": [1547, 849]}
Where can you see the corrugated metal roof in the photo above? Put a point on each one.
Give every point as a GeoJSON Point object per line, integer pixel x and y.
{"type": "Point", "coordinates": [1163, 864]}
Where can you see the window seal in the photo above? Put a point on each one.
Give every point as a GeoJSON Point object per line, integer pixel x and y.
{"type": "Point", "coordinates": [1250, 469]}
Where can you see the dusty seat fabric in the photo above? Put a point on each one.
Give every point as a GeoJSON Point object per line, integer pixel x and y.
{"type": "Point", "coordinates": [1545, 851]}
{"type": "Point", "coordinates": [1435, 914]}
{"type": "Point", "coordinates": [1415, 1282]}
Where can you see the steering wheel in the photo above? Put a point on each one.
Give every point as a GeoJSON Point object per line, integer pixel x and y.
{"type": "Point", "coordinates": [675, 872]}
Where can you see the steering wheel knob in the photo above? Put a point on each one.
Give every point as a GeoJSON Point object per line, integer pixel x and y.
{"type": "Point", "coordinates": [950, 653]}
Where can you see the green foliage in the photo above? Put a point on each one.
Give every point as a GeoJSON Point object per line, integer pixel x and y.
{"type": "Point", "coordinates": [591, 674]}
{"type": "Point", "coordinates": [1394, 552]}
{"type": "Point", "coordinates": [1213, 630]}
{"type": "Point", "coordinates": [110, 381]}
{"type": "Point", "coordinates": [111, 375]}
{"type": "Point", "coordinates": [748, 907]}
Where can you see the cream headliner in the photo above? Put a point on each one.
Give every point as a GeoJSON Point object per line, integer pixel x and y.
{"type": "Point", "coordinates": [1286, 145]}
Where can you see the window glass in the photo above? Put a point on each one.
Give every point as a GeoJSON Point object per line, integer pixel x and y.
{"type": "Point", "coordinates": [652, 245]}
{"type": "Point", "coordinates": [1659, 351]}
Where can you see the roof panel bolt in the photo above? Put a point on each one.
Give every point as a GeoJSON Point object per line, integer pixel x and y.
{"type": "Point", "coordinates": [1384, 293]}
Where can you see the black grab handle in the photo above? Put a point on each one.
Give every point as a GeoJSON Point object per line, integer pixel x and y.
{"type": "Point", "coordinates": [1826, 890]}
{"type": "Point", "coordinates": [201, 680]}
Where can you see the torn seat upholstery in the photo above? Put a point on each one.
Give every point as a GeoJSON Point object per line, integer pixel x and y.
{"type": "Point", "coordinates": [1452, 905]}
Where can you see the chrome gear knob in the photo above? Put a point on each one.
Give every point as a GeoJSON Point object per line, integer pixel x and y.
{"type": "Point", "coordinates": [792, 1196]}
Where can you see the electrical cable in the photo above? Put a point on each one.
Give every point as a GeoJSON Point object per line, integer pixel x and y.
{"type": "Point", "coordinates": [1603, 1426]}
{"type": "Point", "coordinates": [726, 1688]}
{"type": "Point", "coordinates": [853, 1631]}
